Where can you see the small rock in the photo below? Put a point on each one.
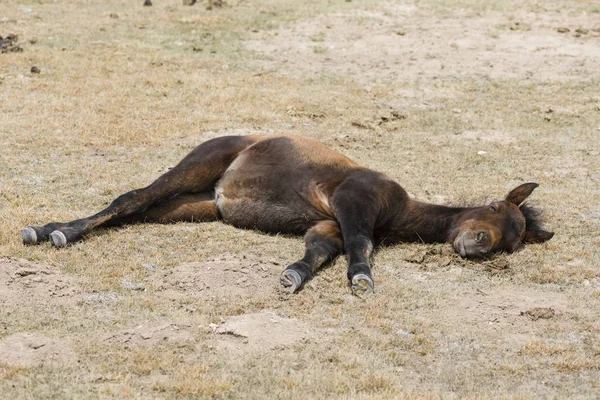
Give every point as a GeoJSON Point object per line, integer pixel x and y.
{"type": "Point", "coordinates": [481, 152]}
{"type": "Point", "coordinates": [35, 70]}
{"type": "Point", "coordinates": [100, 298]}
{"type": "Point", "coordinates": [360, 124]}
{"type": "Point", "coordinates": [147, 3]}
{"type": "Point", "coordinates": [398, 115]}
{"type": "Point", "coordinates": [149, 267]}
{"type": "Point", "coordinates": [133, 285]}
{"type": "Point", "coordinates": [404, 332]}
{"type": "Point", "coordinates": [114, 15]}
{"type": "Point", "coordinates": [582, 31]}
{"type": "Point", "coordinates": [563, 30]}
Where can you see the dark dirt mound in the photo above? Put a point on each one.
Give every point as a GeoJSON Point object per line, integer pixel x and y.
{"type": "Point", "coordinates": [9, 44]}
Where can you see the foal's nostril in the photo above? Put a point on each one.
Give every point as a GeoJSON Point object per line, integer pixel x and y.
{"type": "Point", "coordinates": [480, 236]}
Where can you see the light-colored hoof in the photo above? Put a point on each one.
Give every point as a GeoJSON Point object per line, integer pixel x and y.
{"type": "Point", "coordinates": [291, 280]}
{"type": "Point", "coordinates": [58, 239]}
{"type": "Point", "coordinates": [362, 286]}
{"type": "Point", "coordinates": [29, 236]}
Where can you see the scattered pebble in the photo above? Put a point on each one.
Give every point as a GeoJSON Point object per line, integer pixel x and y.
{"type": "Point", "coordinates": [114, 15]}
{"type": "Point", "coordinates": [563, 30]}
{"type": "Point", "coordinates": [35, 70]}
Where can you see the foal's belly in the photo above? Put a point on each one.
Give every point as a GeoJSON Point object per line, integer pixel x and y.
{"type": "Point", "coordinates": [274, 203]}
{"type": "Point", "coordinates": [280, 185]}
{"type": "Point", "coordinates": [261, 214]}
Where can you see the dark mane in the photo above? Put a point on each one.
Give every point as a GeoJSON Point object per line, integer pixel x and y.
{"type": "Point", "coordinates": [533, 217]}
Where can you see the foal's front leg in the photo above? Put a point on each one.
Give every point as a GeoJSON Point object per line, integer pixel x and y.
{"type": "Point", "coordinates": [357, 205]}
{"type": "Point", "coordinates": [323, 244]}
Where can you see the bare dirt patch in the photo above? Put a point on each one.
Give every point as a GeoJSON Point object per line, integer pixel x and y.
{"type": "Point", "coordinates": [28, 349]}
{"type": "Point", "coordinates": [502, 307]}
{"type": "Point", "coordinates": [223, 278]}
{"type": "Point", "coordinates": [256, 332]}
{"type": "Point", "coordinates": [391, 44]}
{"type": "Point", "coordinates": [26, 284]}
{"type": "Point", "coordinates": [152, 335]}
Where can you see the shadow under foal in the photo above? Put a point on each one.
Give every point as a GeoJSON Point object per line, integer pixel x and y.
{"type": "Point", "coordinates": [291, 184]}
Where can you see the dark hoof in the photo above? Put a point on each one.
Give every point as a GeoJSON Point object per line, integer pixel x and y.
{"type": "Point", "coordinates": [29, 236]}
{"type": "Point", "coordinates": [58, 239]}
{"type": "Point", "coordinates": [291, 280]}
{"type": "Point", "coordinates": [362, 286]}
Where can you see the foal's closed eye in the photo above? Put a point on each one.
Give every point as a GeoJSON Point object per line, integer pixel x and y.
{"type": "Point", "coordinates": [493, 208]}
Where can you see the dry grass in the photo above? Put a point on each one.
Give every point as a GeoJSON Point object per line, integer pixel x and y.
{"type": "Point", "coordinates": [453, 99]}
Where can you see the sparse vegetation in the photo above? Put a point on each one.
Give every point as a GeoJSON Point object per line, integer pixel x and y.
{"type": "Point", "coordinates": [462, 105]}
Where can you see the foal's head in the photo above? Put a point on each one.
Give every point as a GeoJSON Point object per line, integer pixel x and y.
{"type": "Point", "coordinates": [501, 226]}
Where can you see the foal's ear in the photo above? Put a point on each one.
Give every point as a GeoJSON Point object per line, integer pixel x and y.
{"type": "Point", "coordinates": [520, 193]}
{"type": "Point", "coordinates": [537, 236]}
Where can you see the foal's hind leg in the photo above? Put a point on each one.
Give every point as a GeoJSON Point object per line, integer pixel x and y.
{"type": "Point", "coordinates": [323, 244]}
{"type": "Point", "coordinates": [197, 172]}
{"type": "Point", "coordinates": [197, 207]}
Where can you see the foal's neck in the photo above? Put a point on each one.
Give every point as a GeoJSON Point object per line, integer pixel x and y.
{"type": "Point", "coordinates": [427, 223]}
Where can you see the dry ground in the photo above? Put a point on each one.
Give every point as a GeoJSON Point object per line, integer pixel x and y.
{"type": "Point", "coordinates": [459, 101]}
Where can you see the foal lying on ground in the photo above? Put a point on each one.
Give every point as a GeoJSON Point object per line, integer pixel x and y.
{"type": "Point", "coordinates": [290, 184]}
